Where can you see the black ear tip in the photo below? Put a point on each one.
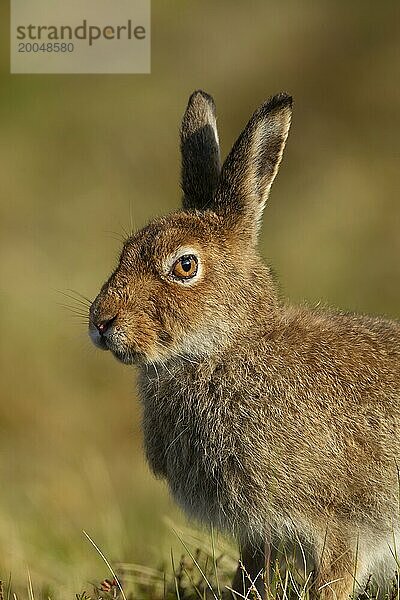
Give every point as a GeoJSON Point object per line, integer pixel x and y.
{"type": "Point", "coordinates": [278, 102]}
{"type": "Point", "coordinates": [201, 97]}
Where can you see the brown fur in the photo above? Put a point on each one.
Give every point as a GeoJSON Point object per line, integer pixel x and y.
{"type": "Point", "coordinates": [273, 423]}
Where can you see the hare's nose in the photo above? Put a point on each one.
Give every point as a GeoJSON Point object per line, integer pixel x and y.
{"type": "Point", "coordinates": [103, 326]}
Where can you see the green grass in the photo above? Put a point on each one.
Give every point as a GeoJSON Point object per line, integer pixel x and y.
{"type": "Point", "coordinates": [196, 565]}
{"type": "Point", "coordinates": [201, 567]}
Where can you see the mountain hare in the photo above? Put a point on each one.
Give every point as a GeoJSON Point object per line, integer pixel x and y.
{"type": "Point", "coordinates": [274, 423]}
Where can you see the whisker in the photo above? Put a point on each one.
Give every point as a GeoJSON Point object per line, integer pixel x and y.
{"type": "Point", "coordinates": [80, 308]}
{"type": "Point", "coordinates": [131, 216]}
{"type": "Point", "coordinates": [80, 295]}
{"type": "Point", "coordinates": [116, 236]}
{"type": "Point", "coordinates": [74, 314]}
{"type": "Point", "coordinates": [166, 368]}
{"type": "Point", "coordinates": [75, 311]}
{"type": "Point", "coordinates": [86, 302]}
{"type": "Point", "coordinates": [193, 362]}
{"type": "Point", "coordinates": [78, 321]}
{"type": "Point", "coordinates": [158, 378]}
{"type": "Point", "coordinates": [125, 232]}
{"type": "Point", "coordinates": [177, 438]}
{"type": "Point", "coordinates": [78, 317]}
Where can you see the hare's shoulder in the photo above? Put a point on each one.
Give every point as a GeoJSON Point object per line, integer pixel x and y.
{"type": "Point", "coordinates": [334, 332]}
{"type": "Point", "coordinates": [332, 354]}
{"type": "Point", "coordinates": [337, 357]}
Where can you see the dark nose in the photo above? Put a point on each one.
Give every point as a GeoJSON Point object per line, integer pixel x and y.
{"type": "Point", "coordinates": [104, 325]}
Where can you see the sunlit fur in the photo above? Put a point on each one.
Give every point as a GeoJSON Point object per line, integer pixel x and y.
{"type": "Point", "coordinates": [274, 423]}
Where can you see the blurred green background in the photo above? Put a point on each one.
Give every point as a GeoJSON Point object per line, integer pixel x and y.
{"type": "Point", "coordinates": [79, 154]}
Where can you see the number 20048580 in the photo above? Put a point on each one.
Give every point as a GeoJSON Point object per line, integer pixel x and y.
{"type": "Point", "coordinates": [45, 47]}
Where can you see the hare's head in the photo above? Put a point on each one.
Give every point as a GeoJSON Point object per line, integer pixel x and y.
{"type": "Point", "coordinates": [186, 281]}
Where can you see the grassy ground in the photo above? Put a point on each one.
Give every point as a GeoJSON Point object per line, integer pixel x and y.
{"type": "Point", "coordinates": [197, 564]}
{"type": "Point", "coordinates": [201, 568]}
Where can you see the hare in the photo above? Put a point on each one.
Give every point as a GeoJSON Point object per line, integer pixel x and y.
{"type": "Point", "coordinates": [274, 423]}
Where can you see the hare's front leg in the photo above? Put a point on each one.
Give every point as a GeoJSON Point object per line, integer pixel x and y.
{"type": "Point", "coordinates": [252, 570]}
{"type": "Point", "coordinates": [334, 575]}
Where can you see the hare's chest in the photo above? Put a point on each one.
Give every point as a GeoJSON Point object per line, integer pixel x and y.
{"type": "Point", "coordinates": [188, 441]}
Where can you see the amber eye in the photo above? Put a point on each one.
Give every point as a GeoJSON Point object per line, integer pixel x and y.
{"type": "Point", "coordinates": [185, 267]}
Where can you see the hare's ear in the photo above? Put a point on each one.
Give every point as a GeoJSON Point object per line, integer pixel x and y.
{"type": "Point", "coordinates": [201, 164]}
{"type": "Point", "coordinates": [252, 164]}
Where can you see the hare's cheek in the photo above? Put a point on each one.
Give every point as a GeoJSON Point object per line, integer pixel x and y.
{"type": "Point", "coordinates": [136, 332]}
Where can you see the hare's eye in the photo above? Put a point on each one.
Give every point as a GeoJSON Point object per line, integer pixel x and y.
{"type": "Point", "coordinates": [185, 267]}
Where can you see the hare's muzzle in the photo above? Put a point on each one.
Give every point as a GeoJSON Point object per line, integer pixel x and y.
{"type": "Point", "coordinates": [99, 328]}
